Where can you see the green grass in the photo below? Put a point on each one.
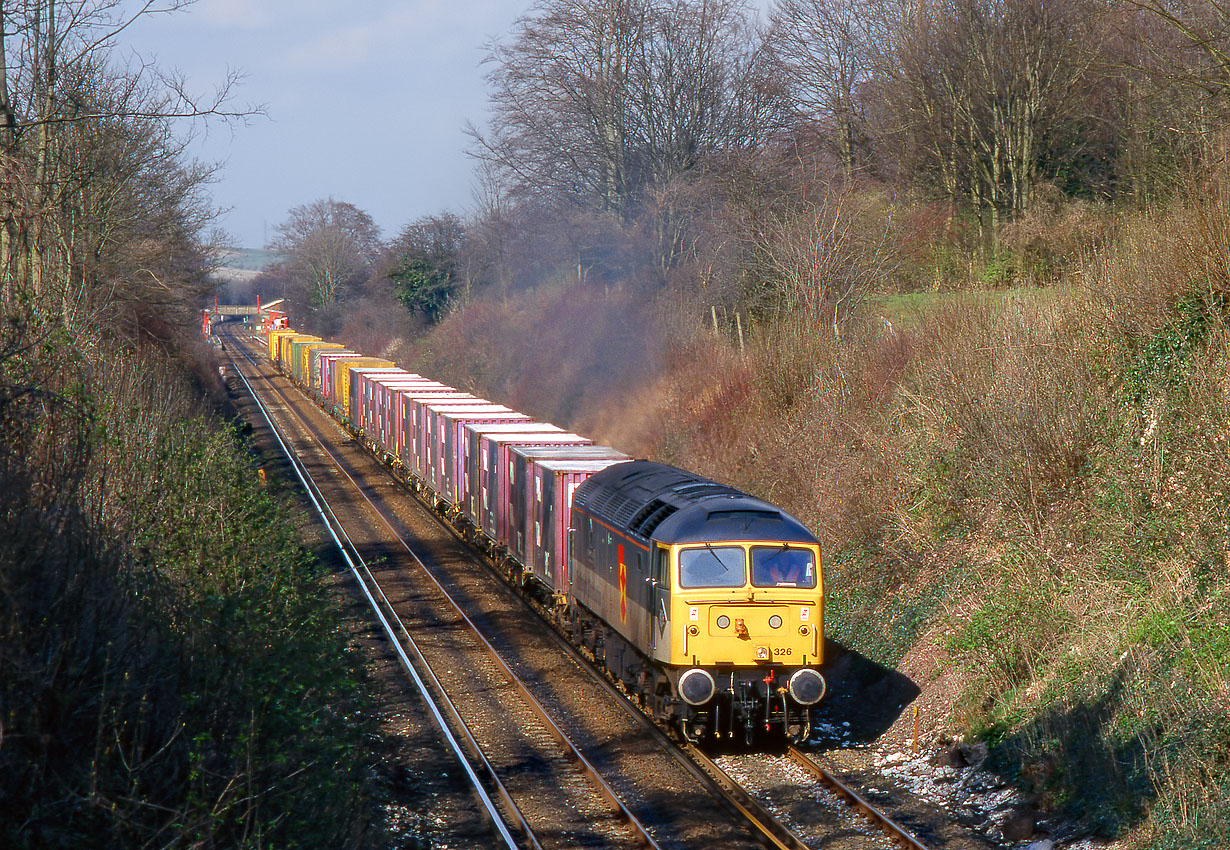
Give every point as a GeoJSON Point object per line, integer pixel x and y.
{"type": "Point", "coordinates": [908, 309]}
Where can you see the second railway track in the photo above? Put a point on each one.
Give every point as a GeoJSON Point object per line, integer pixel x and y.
{"type": "Point", "coordinates": [550, 796]}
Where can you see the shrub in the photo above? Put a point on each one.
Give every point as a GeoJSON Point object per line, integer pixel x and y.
{"type": "Point", "coordinates": [173, 669]}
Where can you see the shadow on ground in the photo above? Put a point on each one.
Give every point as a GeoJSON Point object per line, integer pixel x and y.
{"type": "Point", "coordinates": [864, 699]}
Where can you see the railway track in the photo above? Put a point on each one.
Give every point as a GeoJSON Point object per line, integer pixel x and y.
{"type": "Point", "coordinates": [558, 766]}
{"type": "Point", "coordinates": [897, 834]}
{"type": "Point", "coordinates": [557, 763]}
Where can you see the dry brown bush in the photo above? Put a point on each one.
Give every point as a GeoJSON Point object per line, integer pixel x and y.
{"type": "Point", "coordinates": [1006, 394]}
{"type": "Point", "coordinates": [378, 325]}
{"type": "Point", "coordinates": [576, 355]}
{"type": "Point", "coordinates": [1055, 235]}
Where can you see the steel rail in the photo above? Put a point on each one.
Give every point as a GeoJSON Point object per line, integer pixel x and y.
{"type": "Point", "coordinates": [881, 821]}
{"type": "Point", "coordinates": [320, 505]}
{"type": "Point", "coordinates": [768, 828]}
{"type": "Point", "coordinates": [571, 751]}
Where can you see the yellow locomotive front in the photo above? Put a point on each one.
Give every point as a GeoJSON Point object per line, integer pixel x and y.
{"type": "Point", "coordinates": [747, 603]}
{"type": "Point", "coordinates": [748, 635]}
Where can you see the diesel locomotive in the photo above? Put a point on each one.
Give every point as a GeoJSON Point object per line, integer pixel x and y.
{"type": "Point", "coordinates": [705, 603]}
{"type": "Point", "coordinates": [710, 601]}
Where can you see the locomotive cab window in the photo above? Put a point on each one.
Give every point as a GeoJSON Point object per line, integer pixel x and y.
{"type": "Point", "coordinates": [712, 566]}
{"type": "Point", "coordinates": [783, 566]}
{"type": "Point", "coordinates": [661, 567]}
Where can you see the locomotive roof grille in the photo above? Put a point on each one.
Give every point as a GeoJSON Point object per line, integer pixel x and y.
{"type": "Point", "coordinates": [745, 515]}
{"type": "Point", "coordinates": [610, 502]}
{"type": "Point", "coordinates": [704, 488]}
{"type": "Point", "coordinates": [650, 516]}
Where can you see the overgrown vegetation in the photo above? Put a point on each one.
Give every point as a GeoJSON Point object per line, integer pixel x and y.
{"type": "Point", "coordinates": [174, 671]}
{"type": "Point", "coordinates": [173, 674]}
{"type": "Point", "coordinates": [1031, 482]}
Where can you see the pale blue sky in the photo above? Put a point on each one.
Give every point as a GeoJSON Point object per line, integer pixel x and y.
{"type": "Point", "coordinates": [366, 101]}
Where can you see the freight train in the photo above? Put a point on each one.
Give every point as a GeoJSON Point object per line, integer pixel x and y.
{"type": "Point", "coordinates": [705, 603]}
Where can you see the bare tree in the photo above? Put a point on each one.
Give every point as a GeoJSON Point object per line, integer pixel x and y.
{"type": "Point", "coordinates": [981, 94]}
{"type": "Point", "coordinates": [85, 143]}
{"type": "Point", "coordinates": [820, 254]}
{"type": "Point", "coordinates": [1205, 26]}
{"type": "Point", "coordinates": [330, 246]}
{"type": "Point", "coordinates": [824, 51]}
{"type": "Point", "coordinates": [601, 100]}
{"type": "Point", "coordinates": [561, 99]}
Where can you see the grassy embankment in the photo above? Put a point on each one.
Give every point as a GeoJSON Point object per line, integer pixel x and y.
{"type": "Point", "coordinates": [1029, 486]}
{"type": "Point", "coordinates": [174, 673]}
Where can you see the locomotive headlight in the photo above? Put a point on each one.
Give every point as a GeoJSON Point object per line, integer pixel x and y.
{"type": "Point", "coordinates": [696, 686]}
{"type": "Point", "coordinates": [775, 622]}
{"type": "Point", "coordinates": [803, 630]}
{"type": "Point", "coordinates": [723, 621]}
{"type": "Point", "coordinates": [693, 630]}
{"type": "Point", "coordinates": [806, 686]}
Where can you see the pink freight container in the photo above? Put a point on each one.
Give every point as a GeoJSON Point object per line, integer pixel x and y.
{"type": "Point", "coordinates": [410, 439]}
{"type": "Point", "coordinates": [452, 423]}
{"type": "Point", "coordinates": [362, 400]}
{"type": "Point", "coordinates": [328, 361]}
{"type": "Point", "coordinates": [400, 397]}
{"type": "Point", "coordinates": [382, 411]}
{"type": "Point", "coordinates": [437, 460]}
{"type": "Point", "coordinates": [476, 463]}
{"type": "Point", "coordinates": [496, 474]}
{"type": "Point", "coordinates": [548, 549]}
{"type": "Point", "coordinates": [389, 405]}
{"type": "Point", "coordinates": [420, 439]}
{"type": "Point", "coordinates": [521, 489]}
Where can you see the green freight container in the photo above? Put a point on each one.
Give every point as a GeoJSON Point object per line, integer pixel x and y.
{"type": "Point", "coordinates": [301, 361]}
{"type": "Point", "coordinates": [284, 344]}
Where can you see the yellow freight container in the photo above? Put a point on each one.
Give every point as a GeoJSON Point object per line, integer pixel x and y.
{"type": "Point", "coordinates": [341, 379]}
{"type": "Point", "coordinates": [274, 336]}
{"type": "Point", "coordinates": [284, 349]}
